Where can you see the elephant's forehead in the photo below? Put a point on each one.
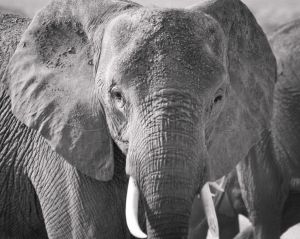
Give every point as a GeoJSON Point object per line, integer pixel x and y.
{"type": "Point", "coordinates": [166, 43]}
{"type": "Point", "coordinates": [166, 27]}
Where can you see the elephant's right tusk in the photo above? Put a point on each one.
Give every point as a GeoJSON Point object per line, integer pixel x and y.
{"type": "Point", "coordinates": [132, 201]}
{"type": "Point", "coordinates": [210, 212]}
{"type": "Point", "coordinates": [243, 222]}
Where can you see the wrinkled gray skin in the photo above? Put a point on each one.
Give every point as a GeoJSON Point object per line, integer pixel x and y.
{"type": "Point", "coordinates": [277, 154]}
{"type": "Point", "coordinates": [181, 93]}
{"type": "Point", "coordinates": [267, 179]}
{"type": "Point", "coordinates": [42, 196]}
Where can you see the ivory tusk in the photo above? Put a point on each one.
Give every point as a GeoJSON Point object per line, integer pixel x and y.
{"type": "Point", "coordinates": [132, 201]}
{"type": "Point", "coordinates": [243, 222]}
{"type": "Point", "coordinates": [210, 212]}
{"type": "Point", "coordinates": [219, 185]}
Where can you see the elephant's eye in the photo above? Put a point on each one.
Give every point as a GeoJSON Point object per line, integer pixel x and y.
{"type": "Point", "coordinates": [218, 99]}
{"type": "Point", "coordinates": [219, 95]}
{"type": "Point", "coordinates": [117, 96]}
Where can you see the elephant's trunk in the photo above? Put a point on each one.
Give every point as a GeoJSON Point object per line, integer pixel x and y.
{"type": "Point", "coordinates": [167, 157]}
{"type": "Point", "coordinates": [170, 175]}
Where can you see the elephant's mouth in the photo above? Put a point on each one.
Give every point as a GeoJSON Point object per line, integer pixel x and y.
{"type": "Point", "coordinates": [132, 209]}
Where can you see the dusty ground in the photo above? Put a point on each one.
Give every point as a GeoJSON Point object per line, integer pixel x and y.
{"type": "Point", "coordinates": [269, 13]}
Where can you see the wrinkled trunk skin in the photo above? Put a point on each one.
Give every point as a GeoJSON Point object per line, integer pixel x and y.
{"type": "Point", "coordinates": [170, 173]}
{"type": "Point", "coordinates": [169, 185]}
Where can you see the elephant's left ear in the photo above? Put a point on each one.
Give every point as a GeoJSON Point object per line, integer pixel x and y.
{"type": "Point", "coordinates": [252, 74]}
{"type": "Point", "coordinates": [250, 57]}
{"type": "Point", "coordinates": [51, 82]}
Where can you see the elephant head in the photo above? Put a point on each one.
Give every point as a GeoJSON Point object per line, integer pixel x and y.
{"type": "Point", "coordinates": [167, 86]}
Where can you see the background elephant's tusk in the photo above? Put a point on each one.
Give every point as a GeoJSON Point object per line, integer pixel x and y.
{"type": "Point", "coordinates": [210, 212]}
{"type": "Point", "coordinates": [210, 236]}
{"type": "Point", "coordinates": [243, 222]}
{"type": "Point", "coordinates": [218, 185]}
{"type": "Point", "coordinates": [132, 201]}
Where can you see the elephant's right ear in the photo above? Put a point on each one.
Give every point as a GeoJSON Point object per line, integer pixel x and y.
{"type": "Point", "coordinates": [52, 86]}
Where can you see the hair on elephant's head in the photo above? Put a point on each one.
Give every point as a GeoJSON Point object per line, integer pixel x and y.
{"type": "Point", "coordinates": [168, 86]}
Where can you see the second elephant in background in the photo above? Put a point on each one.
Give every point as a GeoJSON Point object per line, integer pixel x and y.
{"type": "Point", "coordinates": [230, 205]}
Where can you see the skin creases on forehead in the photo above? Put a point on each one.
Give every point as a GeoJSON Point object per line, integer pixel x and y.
{"type": "Point", "coordinates": [160, 44]}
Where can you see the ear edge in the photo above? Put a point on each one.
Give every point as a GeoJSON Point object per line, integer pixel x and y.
{"type": "Point", "coordinates": [248, 50]}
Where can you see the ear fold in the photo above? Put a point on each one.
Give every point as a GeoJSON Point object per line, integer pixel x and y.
{"type": "Point", "coordinates": [51, 82]}
{"type": "Point", "coordinates": [252, 72]}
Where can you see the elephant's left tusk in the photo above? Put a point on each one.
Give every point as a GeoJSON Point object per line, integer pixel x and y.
{"type": "Point", "coordinates": [132, 201]}
{"type": "Point", "coordinates": [210, 212]}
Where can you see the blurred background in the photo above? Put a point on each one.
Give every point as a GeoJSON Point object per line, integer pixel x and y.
{"type": "Point", "coordinates": [269, 13]}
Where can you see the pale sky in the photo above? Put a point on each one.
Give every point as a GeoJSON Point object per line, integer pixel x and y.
{"type": "Point", "coordinates": [268, 12]}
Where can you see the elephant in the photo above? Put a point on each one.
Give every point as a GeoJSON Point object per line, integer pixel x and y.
{"type": "Point", "coordinates": [265, 185]}
{"type": "Point", "coordinates": [229, 205]}
{"type": "Point", "coordinates": [111, 110]}
{"type": "Point", "coordinates": [277, 153]}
